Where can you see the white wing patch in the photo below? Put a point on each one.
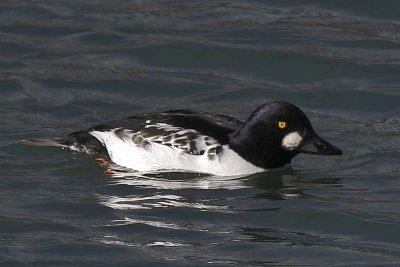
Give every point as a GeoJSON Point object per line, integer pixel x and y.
{"type": "Point", "coordinates": [165, 147]}
{"type": "Point", "coordinates": [189, 140]}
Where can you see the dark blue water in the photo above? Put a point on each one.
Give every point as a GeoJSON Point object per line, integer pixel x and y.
{"type": "Point", "coordinates": [66, 65]}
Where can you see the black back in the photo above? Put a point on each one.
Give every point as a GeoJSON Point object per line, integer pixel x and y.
{"type": "Point", "coordinates": [217, 126]}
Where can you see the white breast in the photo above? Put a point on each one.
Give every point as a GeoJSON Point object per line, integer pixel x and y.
{"type": "Point", "coordinates": [155, 156]}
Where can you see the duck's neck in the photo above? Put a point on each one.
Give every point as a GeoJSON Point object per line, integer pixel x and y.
{"type": "Point", "coordinates": [256, 147]}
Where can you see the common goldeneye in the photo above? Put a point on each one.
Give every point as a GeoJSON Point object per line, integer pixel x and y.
{"type": "Point", "coordinates": [201, 142]}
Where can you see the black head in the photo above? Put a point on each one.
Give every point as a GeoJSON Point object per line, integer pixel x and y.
{"type": "Point", "coordinates": [276, 132]}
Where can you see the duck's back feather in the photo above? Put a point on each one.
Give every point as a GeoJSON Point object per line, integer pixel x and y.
{"type": "Point", "coordinates": [213, 125]}
{"type": "Point", "coordinates": [192, 132]}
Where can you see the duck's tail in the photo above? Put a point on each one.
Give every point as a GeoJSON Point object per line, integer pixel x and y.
{"type": "Point", "coordinates": [54, 142]}
{"type": "Point", "coordinates": [78, 141]}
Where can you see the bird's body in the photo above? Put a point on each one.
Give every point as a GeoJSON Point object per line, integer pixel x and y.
{"type": "Point", "coordinates": [197, 141]}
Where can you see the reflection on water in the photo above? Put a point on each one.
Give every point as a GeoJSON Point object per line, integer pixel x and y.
{"type": "Point", "coordinates": [282, 184]}
{"type": "Point", "coordinates": [113, 240]}
{"type": "Point", "coordinates": [169, 180]}
{"type": "Point", "coordinates": [156, 201]}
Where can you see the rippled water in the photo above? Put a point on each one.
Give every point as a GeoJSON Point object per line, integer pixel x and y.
{"type": "Point", "coordinates": [65, 65]}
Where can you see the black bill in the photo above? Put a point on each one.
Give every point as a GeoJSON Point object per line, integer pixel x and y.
{"type": "Point", "coordinates": [318, 146]}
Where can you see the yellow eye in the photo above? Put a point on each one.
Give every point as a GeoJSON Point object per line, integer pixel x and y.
{"type": "Point", "coordinates": [282, 124]}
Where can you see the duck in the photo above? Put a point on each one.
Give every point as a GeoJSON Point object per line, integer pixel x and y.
{"type": "Point", "coordinates": [201, 142]}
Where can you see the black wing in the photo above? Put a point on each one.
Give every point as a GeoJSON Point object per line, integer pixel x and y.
{"type": "Point", "coordinates": [183, 126]}
{"type": "Point", "coordinates": [214, 125]}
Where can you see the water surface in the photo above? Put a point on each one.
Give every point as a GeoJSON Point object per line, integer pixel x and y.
{"type": "Point", "coordinates": [66, 65]}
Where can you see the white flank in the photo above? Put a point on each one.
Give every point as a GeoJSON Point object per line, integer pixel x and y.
{"type": "Point", "coordinates": [292, 141]}
{"type": "Point", "coordinates": [155, 156]}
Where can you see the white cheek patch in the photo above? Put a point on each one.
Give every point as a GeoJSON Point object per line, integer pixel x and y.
{"type": "Point", "coordinates": [292, 141]}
